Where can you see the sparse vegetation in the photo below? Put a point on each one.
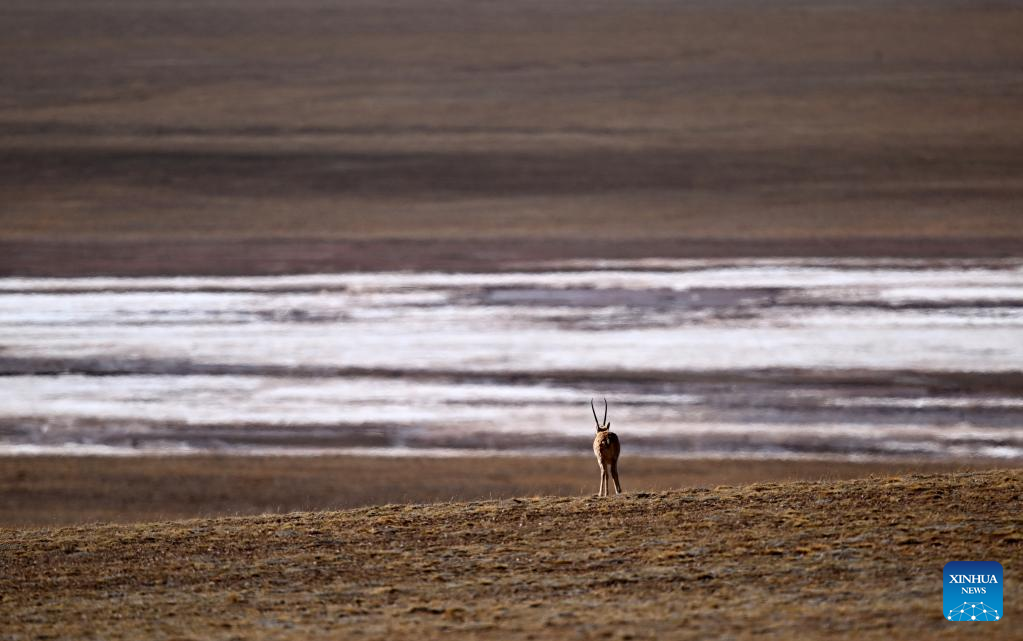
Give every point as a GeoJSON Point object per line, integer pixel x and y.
{"type": "Point", "coordinates": [66, 490]}
{"type": "Point", "coordinates": [796, 560]}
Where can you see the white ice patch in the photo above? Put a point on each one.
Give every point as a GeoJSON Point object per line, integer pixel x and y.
{"type": "Point", "coordinates": [678, 275]}
{"type": "Point", "coordinates": [811, 314]}
{"type": "Point", "coordinates": [227, 400]}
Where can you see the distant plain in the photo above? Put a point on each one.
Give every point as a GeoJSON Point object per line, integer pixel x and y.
{"type": "Point", "coordinates": [215, 137]}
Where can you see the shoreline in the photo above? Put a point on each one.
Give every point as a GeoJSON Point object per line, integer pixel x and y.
{"type": "Point", "coordinates": [456, 454]}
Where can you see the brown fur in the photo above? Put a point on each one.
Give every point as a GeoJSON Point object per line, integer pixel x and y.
{"type": "Point", "coordinates": [607, 448]}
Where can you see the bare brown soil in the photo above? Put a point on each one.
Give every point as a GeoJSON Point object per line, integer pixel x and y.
{"type": "Point", "coordinates": [37, 491]}
{"type": "Point", "coordinates": [828, 560]}
{"type": "Point", "coordinates": [216, 137]}
{"type": "Point", "coordinates": [158, 256]}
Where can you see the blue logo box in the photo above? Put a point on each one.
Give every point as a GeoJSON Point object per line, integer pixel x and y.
{"type": "Point", "coordinates": [972, 591]}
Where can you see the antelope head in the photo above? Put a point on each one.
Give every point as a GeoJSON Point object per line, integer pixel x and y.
{"type": "Point", "coordinates": [602, 426]}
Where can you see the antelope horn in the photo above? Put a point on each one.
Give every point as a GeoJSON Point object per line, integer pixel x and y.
{"type": "Point", "coordinates": [605, 412]}
{"type": "Point", "coordinates": [594, 410]}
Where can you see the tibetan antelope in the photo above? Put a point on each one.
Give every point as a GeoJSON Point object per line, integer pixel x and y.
{"type": "Point", "coordinates": [607, 448]}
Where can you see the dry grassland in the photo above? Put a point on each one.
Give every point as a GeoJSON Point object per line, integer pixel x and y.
{"type": "Point", "coordinates": [834, 559]}
{"type": "Point", "coordinates": [67, 490]}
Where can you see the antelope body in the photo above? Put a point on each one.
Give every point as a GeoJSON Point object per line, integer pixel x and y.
{"type": "Point", "coordinates": [607, 448]}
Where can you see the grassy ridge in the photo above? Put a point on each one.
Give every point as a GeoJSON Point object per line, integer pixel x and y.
{"type": "Point", "coordinates": [68, 490]}
{"type": "Point", "coordinates": [794, 560]}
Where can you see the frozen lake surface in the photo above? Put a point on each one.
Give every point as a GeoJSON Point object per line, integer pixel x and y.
{"type": "Point", "coordinates": [757, 358]}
